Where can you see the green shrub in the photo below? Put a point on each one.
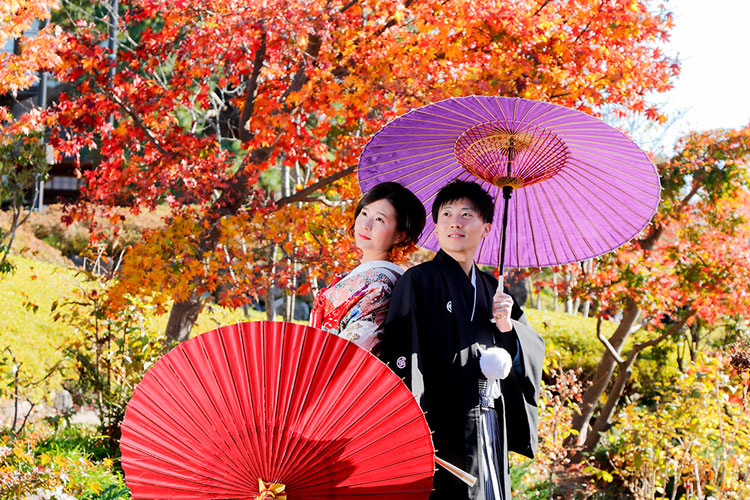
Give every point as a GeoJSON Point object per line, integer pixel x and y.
{"type": "Point", "coordinates": [693, 435]}
{"type": "Point", "coordinates": [572, 344]}
{"type": "Point", "coordinates": [41, 459]}
{"type": "Point", "coordinates": [570, 339]}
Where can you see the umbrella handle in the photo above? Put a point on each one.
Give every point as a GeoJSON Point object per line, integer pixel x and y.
{"type": "Point", "coordinates": [507, 193]}
{"type": "Point", "coordinates": [461, 474]}
{"type": "Point", "coordinates": [500, 285]}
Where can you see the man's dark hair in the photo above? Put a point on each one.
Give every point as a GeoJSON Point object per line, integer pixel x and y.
{"type": "Point", "coordinates": [410, 212]}
{"type": "Point", "coordinates": [469, 190]}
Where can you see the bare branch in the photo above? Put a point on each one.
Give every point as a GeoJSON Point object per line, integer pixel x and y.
{"type": "Point", "coordinates": [324, 201]}
{"type": "Point", "coordinates": [612, 351]}
{"type": "Point", "coordinates": [326, 181]}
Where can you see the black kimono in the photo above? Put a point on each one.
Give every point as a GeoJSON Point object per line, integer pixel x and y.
{"type": "Point", "coordinates": [431, 340]}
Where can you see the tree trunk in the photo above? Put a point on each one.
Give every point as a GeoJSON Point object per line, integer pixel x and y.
{"type": "Point", "coordinates": [554, 289]}
{"type": "Point", "coordinates": [517, 286]}
{"type": "Point", "coordinates": [270, 305]}
{"type": "Point", "coordinates": [626, 369]}
{"type": "Point", "coordinates": [182, 317]}
{"type": "Point", "coordinates": [539, 297]}
{"type": "Point", "coordinates": [602, 421]}
{"type": "Point", "coordinates": [289, 306]}
{"type": "Point", "coordinates": [695, 338]}
{"type": "Point", "coordinates": [606, 367]}
{"type": "Point", "coordinates": [586, 309]}
{"type": "Point", "coordinates": [603, 375]}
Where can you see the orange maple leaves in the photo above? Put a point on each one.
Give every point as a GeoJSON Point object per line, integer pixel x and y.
{"type": "Point", "coordinates": [38, 51]}
{"type": "Point", "coordinates": [219, 106]}
{"type": "Point", "coordinates": [694, 256]}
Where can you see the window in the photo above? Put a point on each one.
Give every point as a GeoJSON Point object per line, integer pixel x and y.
{"type": "Point", "coordinates": [62, 183]}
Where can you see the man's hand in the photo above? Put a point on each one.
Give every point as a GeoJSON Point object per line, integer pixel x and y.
{"type": "Point", "coordinates": [502, 304]}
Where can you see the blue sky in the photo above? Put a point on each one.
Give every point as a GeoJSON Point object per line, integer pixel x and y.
{"type": "Point", "coordinates": [712, 38]}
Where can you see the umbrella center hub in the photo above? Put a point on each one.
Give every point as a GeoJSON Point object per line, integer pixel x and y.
{"type": "Point", "coordinates": [512, 154]}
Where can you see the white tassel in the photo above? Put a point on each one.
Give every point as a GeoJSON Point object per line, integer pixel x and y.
{"type": "Point", "coordinates": [495, 363]}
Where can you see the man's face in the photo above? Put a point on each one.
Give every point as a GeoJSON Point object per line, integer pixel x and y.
{"type": "Point", "coordinates": [460, 229]}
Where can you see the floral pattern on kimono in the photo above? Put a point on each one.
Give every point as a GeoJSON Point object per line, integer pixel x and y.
{"type": "Point", "coordinates": [355, 307]}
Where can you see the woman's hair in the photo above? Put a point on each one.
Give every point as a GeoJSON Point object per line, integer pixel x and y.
{"type": "Point", "coordinates": [410, 213]}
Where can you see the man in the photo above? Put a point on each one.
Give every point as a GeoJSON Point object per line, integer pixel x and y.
{"type": "Point", "coordinates": [443, 315]}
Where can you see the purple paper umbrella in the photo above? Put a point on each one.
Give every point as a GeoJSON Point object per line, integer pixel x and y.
{"type": "Point", "coordinates": [573, 186]}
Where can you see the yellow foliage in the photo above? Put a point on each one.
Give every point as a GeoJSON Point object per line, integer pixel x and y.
{"type": "Point", "coordinates": [695, 436]}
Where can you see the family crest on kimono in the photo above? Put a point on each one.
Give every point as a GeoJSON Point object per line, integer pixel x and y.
{"type": "Point", "coordinates": [387, 223]}
{"type": "Point", "coordinates": [466, 351]}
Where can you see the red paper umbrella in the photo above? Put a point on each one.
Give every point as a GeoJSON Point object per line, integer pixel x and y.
{"type": "Point", "coordinates": [240, 411]}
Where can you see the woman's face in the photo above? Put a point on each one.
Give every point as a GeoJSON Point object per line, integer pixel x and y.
{"type": "Point", "coordinates": [375, 230]}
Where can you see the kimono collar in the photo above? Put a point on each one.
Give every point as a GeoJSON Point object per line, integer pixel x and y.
{"type": "Point", "coordinates": [393, 271]}
{"type": "Point", "coordinates": [444, 257]}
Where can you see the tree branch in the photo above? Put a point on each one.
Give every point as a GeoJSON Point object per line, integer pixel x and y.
{"type": "Point", "coordinates": [392, 22]}
{"type": "Point", "coordinates": [652, 237]}
{"type": "Point", "coordinates": [300, 77]}
{"type": "Point", "coordinates": [544, 4]}
{"type": "Point", "coordinates": [588, 25]}
{"type": "Point", "coordinates": [304, 193]}
{"type": "Point", "coordinates": [667, 333]}
{"type": "Point", "coordinates": [612, 351]}
{"type": "Point", "coordinates": [137, 120]}
{"type": "Point", "coordinates": [324, 201]}
{"type": "Point", "coordinates": [252, 87]}
{"type": "Point", "coordinates": [348, 6]}
{"type": "Point", "coordinates": [342, 70]}
{"type": "Point", "coordinates": [684, 201]}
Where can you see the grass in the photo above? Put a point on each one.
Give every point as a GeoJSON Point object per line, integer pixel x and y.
{"type": "Point", "coordinates": [27, 327]}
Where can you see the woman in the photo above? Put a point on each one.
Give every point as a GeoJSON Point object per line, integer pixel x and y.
{"type": "Point", "coordinates": [387, 223]}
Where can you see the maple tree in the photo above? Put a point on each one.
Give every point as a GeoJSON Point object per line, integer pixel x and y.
{"type": "Point", "coordinates": [690, 265]}
{"type": "Point", "coordinates": [22, 161]}
{"type": "Point", "coordinates": [22, 152]}
{"type": "Point", "coordinates": [19, 69]}
{"type": "Point", "coordinates": [246, 118]}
